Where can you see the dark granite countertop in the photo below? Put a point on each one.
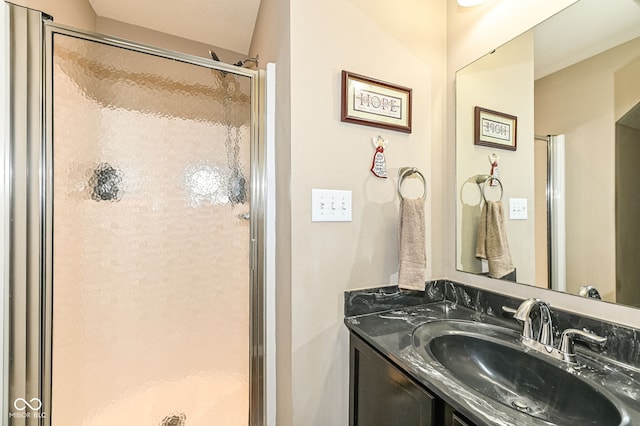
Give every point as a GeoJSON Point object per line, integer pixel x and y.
{"type": "Point", "coordinates": [386, 319]}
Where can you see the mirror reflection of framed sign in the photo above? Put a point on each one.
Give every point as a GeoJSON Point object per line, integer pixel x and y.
{"type": "Point", "coordinates": [495, 129]}
{"type": "Point", "coordinates": [375, 103]}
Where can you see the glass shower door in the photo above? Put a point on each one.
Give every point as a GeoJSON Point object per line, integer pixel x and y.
{"type": "Point", "coordinates": [151, 277]}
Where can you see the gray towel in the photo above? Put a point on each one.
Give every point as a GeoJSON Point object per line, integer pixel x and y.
{"type": "Point", "coordinates": [411, 245]}
{"type": "Point", "coordinates": [492, 241]}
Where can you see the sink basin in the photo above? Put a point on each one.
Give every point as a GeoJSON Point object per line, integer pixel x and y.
{"type": "Point", "coordinates": [490, 360]}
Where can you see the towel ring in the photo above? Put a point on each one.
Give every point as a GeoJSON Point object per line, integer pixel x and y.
{"type": "Point", "coordinates": [482, 180]}
{"type": "Point", "coordinates": [406, 172]}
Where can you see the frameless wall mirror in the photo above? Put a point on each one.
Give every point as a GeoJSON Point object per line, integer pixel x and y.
{"type": "Point", "coordinates": [559, 127]}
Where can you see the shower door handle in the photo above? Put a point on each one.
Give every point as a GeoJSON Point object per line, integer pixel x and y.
{"type": "Point", "coordinates": [245, 216]}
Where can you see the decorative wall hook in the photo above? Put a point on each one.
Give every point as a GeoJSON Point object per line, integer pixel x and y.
{"type": "Point", "coordinates": [379, 164]}
{"type": "Point", "coordinates": [493, 159]}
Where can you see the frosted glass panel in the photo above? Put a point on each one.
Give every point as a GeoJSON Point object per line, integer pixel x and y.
{"type": "Point", "coordinates": [151, 240]}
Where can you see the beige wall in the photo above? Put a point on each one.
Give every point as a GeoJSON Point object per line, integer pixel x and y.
{"type": "Point", "coordinates": [403, 44]}
{"type": "Point", "coordinates": [76, 13]}
{"type": "Point", "coordinates": [79, 14]}
{"type": "Point", "coordinates": [472, 33]}
{"type": "Point", "coordinates": [627, 212]}
{"type": "Point", "coordinates": [163, 40]}
{"type": "Point", "coordinates": [627, 203]}
{"type": "Point", "coordinates": [627, 83]}
{"type": "Point", "coordinates": [502, 81]}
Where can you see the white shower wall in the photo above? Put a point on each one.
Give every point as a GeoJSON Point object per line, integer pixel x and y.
{"type": "Point", "coordinates": [150, 289]}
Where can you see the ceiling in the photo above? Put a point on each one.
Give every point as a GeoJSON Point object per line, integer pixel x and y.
{"type": "Point", "coordinates": [223, 23]}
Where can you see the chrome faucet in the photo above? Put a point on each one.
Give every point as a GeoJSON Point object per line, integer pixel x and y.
{"type": "Point", "coordinates": [454, 302]}
{"type": "Point", "coordinates": [523, 316]}
{"type": "Point", "coordinates": [589, 291]}
{"type": "Point", "coordinates": [543, 340]}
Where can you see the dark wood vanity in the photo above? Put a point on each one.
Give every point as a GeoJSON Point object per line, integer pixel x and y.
{"type": "Point", "coordinates": [381, 394]}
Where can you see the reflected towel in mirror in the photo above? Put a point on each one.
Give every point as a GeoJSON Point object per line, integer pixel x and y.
{"type": "Point", "coordinates": [492, 243]}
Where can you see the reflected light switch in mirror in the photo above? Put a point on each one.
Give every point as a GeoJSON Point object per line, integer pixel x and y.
{"type": "Point", "coordinates": [517, 208]}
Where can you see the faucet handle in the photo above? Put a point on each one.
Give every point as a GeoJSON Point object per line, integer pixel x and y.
{"type": "Point", "coordinates": [509, 310]}
{"type": "Point", "coordinates": [567, 342]}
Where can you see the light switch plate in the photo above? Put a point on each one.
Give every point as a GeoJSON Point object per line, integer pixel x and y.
{"type": "Point", "coordinates": [518, 209]}
{"type": "Point", "coordinates": [330, 205]}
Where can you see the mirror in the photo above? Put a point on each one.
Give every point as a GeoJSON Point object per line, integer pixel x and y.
{"type": "Point", "coordinates": [569, 217]}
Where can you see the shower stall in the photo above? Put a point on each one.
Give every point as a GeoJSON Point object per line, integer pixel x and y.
{"type": "Point", "coordinates": [135, 222]}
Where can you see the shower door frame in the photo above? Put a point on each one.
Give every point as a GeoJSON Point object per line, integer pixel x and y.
{"type": "Point", "coordinates": [34, 266]}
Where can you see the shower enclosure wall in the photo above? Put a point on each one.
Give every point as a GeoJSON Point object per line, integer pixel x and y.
{"type": "Point", "coordinates": [135, 269]}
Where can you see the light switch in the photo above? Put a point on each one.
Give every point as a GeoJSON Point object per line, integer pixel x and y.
{"type": "Point", "coordinates": [518, 209]}
{"type": "Point", "coordinates": [330, 205]}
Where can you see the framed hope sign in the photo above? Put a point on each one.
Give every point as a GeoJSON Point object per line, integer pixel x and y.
{"type": "Point", "coordinates": [375, 103]}
{"type": "Point", "coordinates": [495, 129]}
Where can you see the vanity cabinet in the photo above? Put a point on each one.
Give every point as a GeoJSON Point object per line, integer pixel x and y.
{"type": "Point", "coordinates": [451, 418]}
{"type": "Point", "coordinates": [381, 394]}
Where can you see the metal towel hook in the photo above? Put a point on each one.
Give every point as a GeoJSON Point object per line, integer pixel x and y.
{"type": "Point", "coordinates": [405, 172]}
{"type": "Point", "coordinates": [482, 180]}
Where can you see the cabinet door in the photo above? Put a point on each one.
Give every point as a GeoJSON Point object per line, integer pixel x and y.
{"type": "Point", "coordinates": [451, 418]}
{"type": "Point", "coordinates": [457, 421]}
{"type": "Point", "coordinates": [381, 394]}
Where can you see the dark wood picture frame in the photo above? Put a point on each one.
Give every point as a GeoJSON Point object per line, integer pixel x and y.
{"type": "Point", "coordinates": [495, 129]}
{"type": "Point", "coordinates": [376, 103]}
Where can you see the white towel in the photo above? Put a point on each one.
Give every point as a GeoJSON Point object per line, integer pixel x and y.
{"type": "Point", "coordinates": [492, 243]}
{"type": "Point", "coordinates": [411, 245]}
